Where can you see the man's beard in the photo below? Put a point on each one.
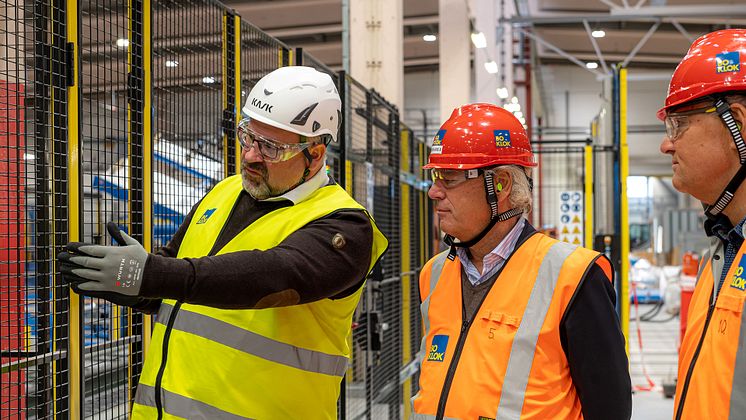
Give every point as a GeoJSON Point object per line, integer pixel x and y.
{"type": "Point", "coordinates": [258, 185]}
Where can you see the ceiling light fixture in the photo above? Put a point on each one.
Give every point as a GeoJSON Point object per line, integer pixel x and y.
{"type": "Point", "coordinates": [479, 40]}
{"type": "Point", "coordinates": [429, 38]}
{"type": "Point", "coordinates": [208, 80]}
{"type": "Point", "coordinates": [123, 42]}
{"type": "Point", "coordinates": [591, 65]}
{"type": "Point", "coordinates": [491, 67]}
{"type": "Point", "coordinates": [171, 63]}
{"type": "Point", "coordinates": [598, 33]}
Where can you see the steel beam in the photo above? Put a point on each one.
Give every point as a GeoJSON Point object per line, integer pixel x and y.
{"type": "Point", "coordinates": [595, 47]}
{"type": "Point", "coordinates": [559, 51]}
{"type": "Point", "coordinates": [640, 44]}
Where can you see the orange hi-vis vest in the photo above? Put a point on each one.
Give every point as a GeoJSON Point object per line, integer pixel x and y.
{"type": "Point", "coordinates": [508, 362]}
{"type": "Point", "coordinates": [712, 359]}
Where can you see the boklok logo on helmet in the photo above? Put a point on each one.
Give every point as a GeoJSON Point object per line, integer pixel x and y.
{"type": "Point", "coordinates": [502, 138]}
{"type": "Point", "coordinates": [265, 106]}
{"type": "Point", "coordinates": [728, 62]}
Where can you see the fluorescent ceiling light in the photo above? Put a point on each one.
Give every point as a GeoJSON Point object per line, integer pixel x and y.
{"type": "Point", "coordinates": [591, 65]}
{"type": "Point", "coordinates": [502, 92]}
{"type": "Point", "coordinates": [28, 156]}
{"type": "Point", "coordinates": [208, 80]}
{"type": "Point", "coordinates": [429, 38]}
{"type": "Point", "coordinates": [491, 67]}
{"type": "Point", "coordinates": [171, 63]}
{"type": "Point", "coordinates": [478, 39]}
{"type": "Point", "coordinates": [123, 42]}
{"type": "Point", "coordinates": [598, 33]}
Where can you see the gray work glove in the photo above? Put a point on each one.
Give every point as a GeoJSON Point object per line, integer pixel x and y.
{"type": "Point", "coordinates": [97, 268]}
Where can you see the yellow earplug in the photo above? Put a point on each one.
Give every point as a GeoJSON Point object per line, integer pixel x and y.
{"type": "Point", "coordinates": [499, 187]}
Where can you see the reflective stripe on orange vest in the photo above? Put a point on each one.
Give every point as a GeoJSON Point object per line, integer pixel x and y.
{"type": "Point", "coordinates": [712, 358]}
{"type": "Point", "coordinates": [520, 314]}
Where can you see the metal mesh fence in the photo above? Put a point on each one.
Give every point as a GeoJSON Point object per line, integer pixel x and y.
{"type": "Point", "coordinates": [160, 90]}
{"type": "Point", "coordinates": [188, 106]}
{"type": "Point", "coordinates": [558, 196]}
{"type": "Point", "coordinates": [33, 125]}
{"type": "Point", "coordinates": [112, 110]}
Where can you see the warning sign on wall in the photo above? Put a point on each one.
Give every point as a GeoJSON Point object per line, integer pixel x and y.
{"type": "Point", "coordinates": [571, 217]}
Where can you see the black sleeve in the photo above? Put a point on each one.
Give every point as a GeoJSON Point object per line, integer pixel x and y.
{"type": "Point", "coordinates": [303, 268]}
{"type": "Point", "coordinates": [150, 306]}
{"type": "Point", "coordinates": [594, 345]}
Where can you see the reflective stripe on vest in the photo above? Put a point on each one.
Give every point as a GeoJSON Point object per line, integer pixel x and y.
{"type": "Point", "coordinates": [524, 343]}
{"type": "Point", "coordinates": [738, 394]}
{"type": "Point", "coordinates": [180, 406]}
{"type": "Point", "coordinates": [437, 268]}
{"type": "Point", "coordinates": [254, 344]}
{"type": "Point", "coordinates": [418, 416]}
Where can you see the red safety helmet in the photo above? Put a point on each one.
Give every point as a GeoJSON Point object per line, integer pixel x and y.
{"type": "Point", "coordinates": [480, 136]}
{"type": "Point", "coordinates": [715, 63]}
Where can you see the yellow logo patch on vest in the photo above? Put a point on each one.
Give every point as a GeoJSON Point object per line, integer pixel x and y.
{"type": "Point", "coordinates": [202, 220]}
{"type": "Point", "coordinates": [438, 348]}
{"type": "Point", "coordinates": [739, 280]}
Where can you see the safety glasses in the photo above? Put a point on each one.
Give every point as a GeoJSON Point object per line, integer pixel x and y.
{"type": "Point", "coordinates": [271, 150]}
{"type": "Point", "coordinates": [677, 122]}
{"type": "Point", "coordinates": [452, 178]}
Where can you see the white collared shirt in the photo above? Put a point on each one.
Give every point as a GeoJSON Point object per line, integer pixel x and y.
{"type": "Point", "coordinates": [304, 190]}
{"type": "Point", "coordinates": [495, 259]}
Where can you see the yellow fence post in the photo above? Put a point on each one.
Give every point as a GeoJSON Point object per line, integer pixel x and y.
{"type": "Point", "coordinates": [73, 184]}
{"type": "Point", "coordinates": [239, 104]}
{"type": "Point", "coordinates": [147, 150]}
{"type": "Point", "coordinates": [588, 151]}
{"type": "Point", "coordinates": [624, 172]}
{"type": "Point", "coordinates": [406, 276]}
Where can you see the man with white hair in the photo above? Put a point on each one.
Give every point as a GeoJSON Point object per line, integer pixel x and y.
{"type": "Point", "coordinates": [256, 291]}
{"type": "Point", "coordinates": [517, 325]}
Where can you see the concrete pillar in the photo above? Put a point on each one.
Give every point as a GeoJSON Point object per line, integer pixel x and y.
{"type": "Point", "coordinates": [454, 51]}
{"type": "Point", "coordinates": [12, 55]}
{"type": "Point", "coordinates": [485, 21]}
{"type": "Point", "coordinates": [376, 52]}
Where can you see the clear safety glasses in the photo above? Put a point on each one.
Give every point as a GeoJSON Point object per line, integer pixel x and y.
{"type": "Point", "coordinates": [452, 178]}
{"type": "Point", "coordinates": [271, 150]}
{"type": "Point", "coordinates": [678, 122]}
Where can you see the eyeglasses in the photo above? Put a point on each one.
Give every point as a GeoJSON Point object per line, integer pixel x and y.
{"type": "Point", "coordinates": [271, 151]}
{"type": "Point", "coordinates": [677, 122]}
{"type": "Point", "coordinates": [452, 178]}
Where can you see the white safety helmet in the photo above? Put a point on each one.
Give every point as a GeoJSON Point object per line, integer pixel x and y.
{"type": "Point", "coordinates": [298, 99]}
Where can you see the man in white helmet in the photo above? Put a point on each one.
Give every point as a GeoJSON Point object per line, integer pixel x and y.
{"type": "Point", "coordinates": [255, 292]}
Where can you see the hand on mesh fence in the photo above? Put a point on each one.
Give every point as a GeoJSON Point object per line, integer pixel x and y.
{"type": "Point", "coordinates": [100, 271]}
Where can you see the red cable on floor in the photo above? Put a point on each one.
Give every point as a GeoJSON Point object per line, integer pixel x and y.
{"type": "Point", "coordinates": [650, 384]}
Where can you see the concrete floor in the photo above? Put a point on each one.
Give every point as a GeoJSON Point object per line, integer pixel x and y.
{"type": "Point", "coordinates": [659, 357]}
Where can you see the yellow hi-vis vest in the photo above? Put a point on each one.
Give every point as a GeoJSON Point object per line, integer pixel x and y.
{"type": "Point", "coordinates": [274, 363]}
